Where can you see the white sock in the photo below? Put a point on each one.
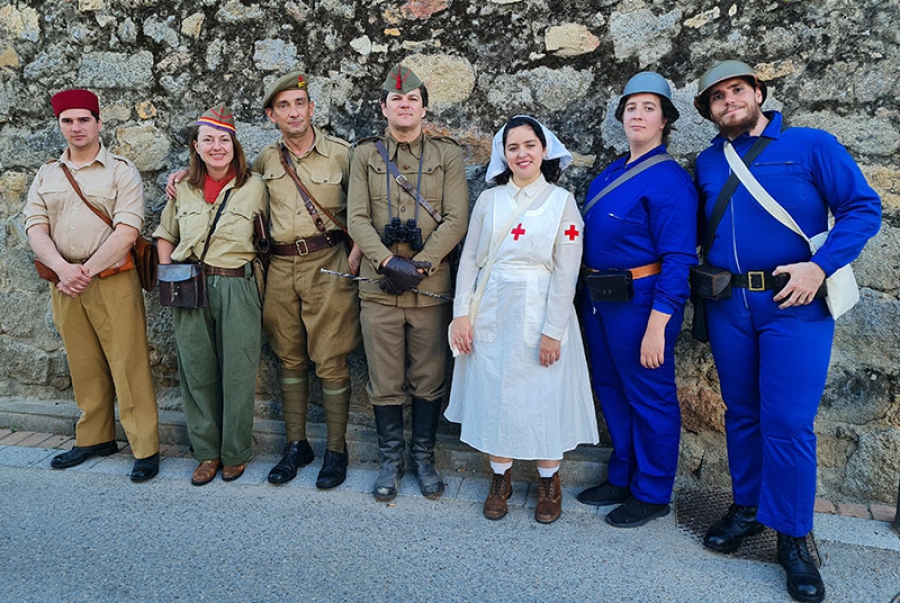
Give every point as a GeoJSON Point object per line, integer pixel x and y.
{"type": "Point", "coordinates": [547, 471]}
{"type": "Point", "coordinates": [500, 468]}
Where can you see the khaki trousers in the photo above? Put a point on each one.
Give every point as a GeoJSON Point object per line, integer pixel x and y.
{"type": "Point", "coordinates": [313, 316]}
{"type": "Point", "coordinates": [406, 350]}
{"type": "Point", "coordinates": [104, 331]}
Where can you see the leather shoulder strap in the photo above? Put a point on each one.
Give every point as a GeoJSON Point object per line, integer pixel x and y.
{"type": "Point", "coordinates": [77, 188]}
{"type": "Point", "coordinates": [308, 200]}
{"type": "Point", "coordinates": [215, 221]}
{"type": "Point", "coordinates": [405, 184]}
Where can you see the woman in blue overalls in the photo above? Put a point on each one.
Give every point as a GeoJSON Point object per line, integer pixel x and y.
{"type": "Point", "coordinates": [644, 228]}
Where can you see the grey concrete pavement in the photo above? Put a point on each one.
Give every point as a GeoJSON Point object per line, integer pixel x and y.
{"type": "Point", "coordinates": [89, 534]}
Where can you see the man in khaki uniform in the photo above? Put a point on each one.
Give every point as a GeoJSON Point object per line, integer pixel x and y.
{"type": "Point", "coordinates": [98, 307]}
{"type": "Point", "coordinates": [308, 315]}
{"type": "Point", "coordinates": [405, 333]}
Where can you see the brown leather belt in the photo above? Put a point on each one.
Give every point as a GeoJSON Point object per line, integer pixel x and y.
{"type": "Point", "coordinates": [127, 264]}
{"type": "Point", "coordinates": [302, 247]}
{"type": "Point", "coordinates": [636, 273]}
{"type": "Point", "coordinates": [235, 272]}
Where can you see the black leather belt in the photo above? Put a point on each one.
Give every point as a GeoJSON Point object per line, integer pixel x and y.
{"type": "Point", "coordinates": [758, 280]}
{"type": "Point", "coordinates": [302, 247]}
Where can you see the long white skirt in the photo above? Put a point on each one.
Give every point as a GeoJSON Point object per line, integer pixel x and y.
{"type": "Point", "coordinates": [508, 404]}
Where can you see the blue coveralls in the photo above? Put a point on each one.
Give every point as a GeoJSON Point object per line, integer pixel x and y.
{"type": "Point", "coordinates": [648, 219]}
{"type": "Point", "coordinates": [773, 363]}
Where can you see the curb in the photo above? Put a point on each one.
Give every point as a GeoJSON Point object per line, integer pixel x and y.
{"type": "Point", "coordinates": [583, 466]}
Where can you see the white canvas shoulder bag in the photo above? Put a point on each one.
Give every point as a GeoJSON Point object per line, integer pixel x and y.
{"type": "Point", "coordinates": [843, 292]}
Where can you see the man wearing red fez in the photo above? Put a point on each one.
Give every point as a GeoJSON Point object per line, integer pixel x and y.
{"type": "Point", "coordinates": [408, 206]}
{"type": "Point", "coordinates": [98, 307]}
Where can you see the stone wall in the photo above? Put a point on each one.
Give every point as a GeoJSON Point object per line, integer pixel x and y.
{"type": "Point", "coordinates": [156, 66]}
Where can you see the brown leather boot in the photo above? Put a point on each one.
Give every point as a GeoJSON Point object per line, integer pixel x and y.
{"type": "Point", "coordinates": [501, 489]}
{"type": "Point", "coordinates": [549, 506]}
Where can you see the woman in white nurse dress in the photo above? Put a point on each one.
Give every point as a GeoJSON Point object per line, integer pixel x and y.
{"type": "Point", "coordinates": [521, 388]}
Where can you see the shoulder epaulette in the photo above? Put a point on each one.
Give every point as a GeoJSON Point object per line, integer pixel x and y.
{"type": "Point", "coordinates": [362, 141]}
{"type": "Point", "coordinates": [442, 138]}
{"type": "Point", "coordinates": [337, 140]}
{"type": "Point", "coordinates": [124, 160]}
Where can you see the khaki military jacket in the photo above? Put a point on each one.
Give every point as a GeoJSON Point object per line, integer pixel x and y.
{"type": "Point", "coordinates": [324, 171]}
{"type": "Point", "coordinates": [186, 220]}
{"type": "Point", "coordinates": [443, 184]}
{"type": "Point", "coordinates": [111, 183]}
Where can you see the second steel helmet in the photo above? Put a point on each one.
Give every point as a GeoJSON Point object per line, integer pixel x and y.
{"type": "Point", "coordinates": [653, 83]}
{"type": "Point", "coordinates": [720, 72]}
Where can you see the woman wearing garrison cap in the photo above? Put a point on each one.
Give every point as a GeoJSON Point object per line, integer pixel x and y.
{"type": "Point", "coordinates": [211, 223]}
{"type": "Point", "coordinates": [639, 243]}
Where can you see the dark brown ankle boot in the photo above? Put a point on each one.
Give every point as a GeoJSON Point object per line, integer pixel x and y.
{"type": "Point", "coordinates": [501, 489]}
{"type": "Point", "coordinates": [549, 506]}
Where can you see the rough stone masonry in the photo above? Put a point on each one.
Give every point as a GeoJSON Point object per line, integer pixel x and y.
{"type": "Point", "coordinates": [157, 65]}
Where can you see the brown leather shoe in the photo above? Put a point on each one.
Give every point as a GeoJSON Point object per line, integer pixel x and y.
{"type": "Point", "coordinates": [205, 472]}
{"type": "Point", "coordinates": [232, 472]}
{"type": "Point", "coordinates": [549, 506]}
{"type": "Point", "coordinates": [501, 489]}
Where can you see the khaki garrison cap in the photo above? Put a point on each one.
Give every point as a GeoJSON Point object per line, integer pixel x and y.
{"type": "Point", "coordinates": [219, 117]}
{"type": "Point", "coordinates": [401, 79]}
{"type": "Point", "coordinates": [291, 81]}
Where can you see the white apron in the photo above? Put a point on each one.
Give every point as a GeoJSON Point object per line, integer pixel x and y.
{"type": "Point", "coordinates": [508, 404]}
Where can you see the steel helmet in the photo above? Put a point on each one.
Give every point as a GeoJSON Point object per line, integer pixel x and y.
{"type": "Point", "coordinates": [721, 72]}
{"type": "Point", "coordinates": [653, 83]}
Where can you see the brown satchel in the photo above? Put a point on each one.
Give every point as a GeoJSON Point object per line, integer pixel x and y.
{"type": "Point", "coordinates": [45, 272]}
{"type": "Point", "coordinates": [143, 252]}
{"type": "Point", "coordinates": [184, 285]}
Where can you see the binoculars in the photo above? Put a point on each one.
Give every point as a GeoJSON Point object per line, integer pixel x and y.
{"type": "Point", "coordinates": [397, 232]}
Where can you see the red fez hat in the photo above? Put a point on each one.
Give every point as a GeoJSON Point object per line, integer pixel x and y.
{"type": "Point", "coordinates": [75, 99]}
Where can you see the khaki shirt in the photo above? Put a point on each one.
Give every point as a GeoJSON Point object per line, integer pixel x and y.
{"type": "Point", "coordinates": [443, 185]}
{"type": "Point", "coordinates": [186, 220]}
{"type": "Point", "coordinates": [111, 183]}
{"type": "Point", "coordinates": [323, 170]}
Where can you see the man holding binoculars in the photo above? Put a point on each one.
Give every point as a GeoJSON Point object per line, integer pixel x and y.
{"type": "Point", "coordinates": [408, 208]}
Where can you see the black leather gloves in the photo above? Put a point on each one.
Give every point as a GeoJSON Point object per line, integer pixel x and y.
{"type": "Point", "coordinates": [388, 286]}
{"type": "Point", "coordinates": [402, 275]}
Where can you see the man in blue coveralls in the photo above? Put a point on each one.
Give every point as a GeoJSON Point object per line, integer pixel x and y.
{"type": "Point", "coordinates": [772, 345]}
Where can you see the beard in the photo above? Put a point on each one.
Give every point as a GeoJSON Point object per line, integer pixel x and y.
{"type": "Point", "coordinates": [734, 129]}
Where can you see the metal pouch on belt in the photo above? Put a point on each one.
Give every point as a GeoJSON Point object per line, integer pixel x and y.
{"type": "Point", "coordinates": [610, 285]}
{"type": "Point", "coordinates": [710, 282]}
{"type": "Point", "coordinates": [182, 285]}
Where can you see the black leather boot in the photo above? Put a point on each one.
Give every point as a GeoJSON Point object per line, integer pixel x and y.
{"type": "Point", "coordinates": [727, 534]}
{"type": "Point", "coordinates": [391, 446]}
{"type": "Point", "coordinates": [295, 455]}
{"type": "Point", "coordinates": [425, 416]}
{"type": "Point", "coordinates": [803, 580]}
{"type": "Point", "coordinates": [334, 470]}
